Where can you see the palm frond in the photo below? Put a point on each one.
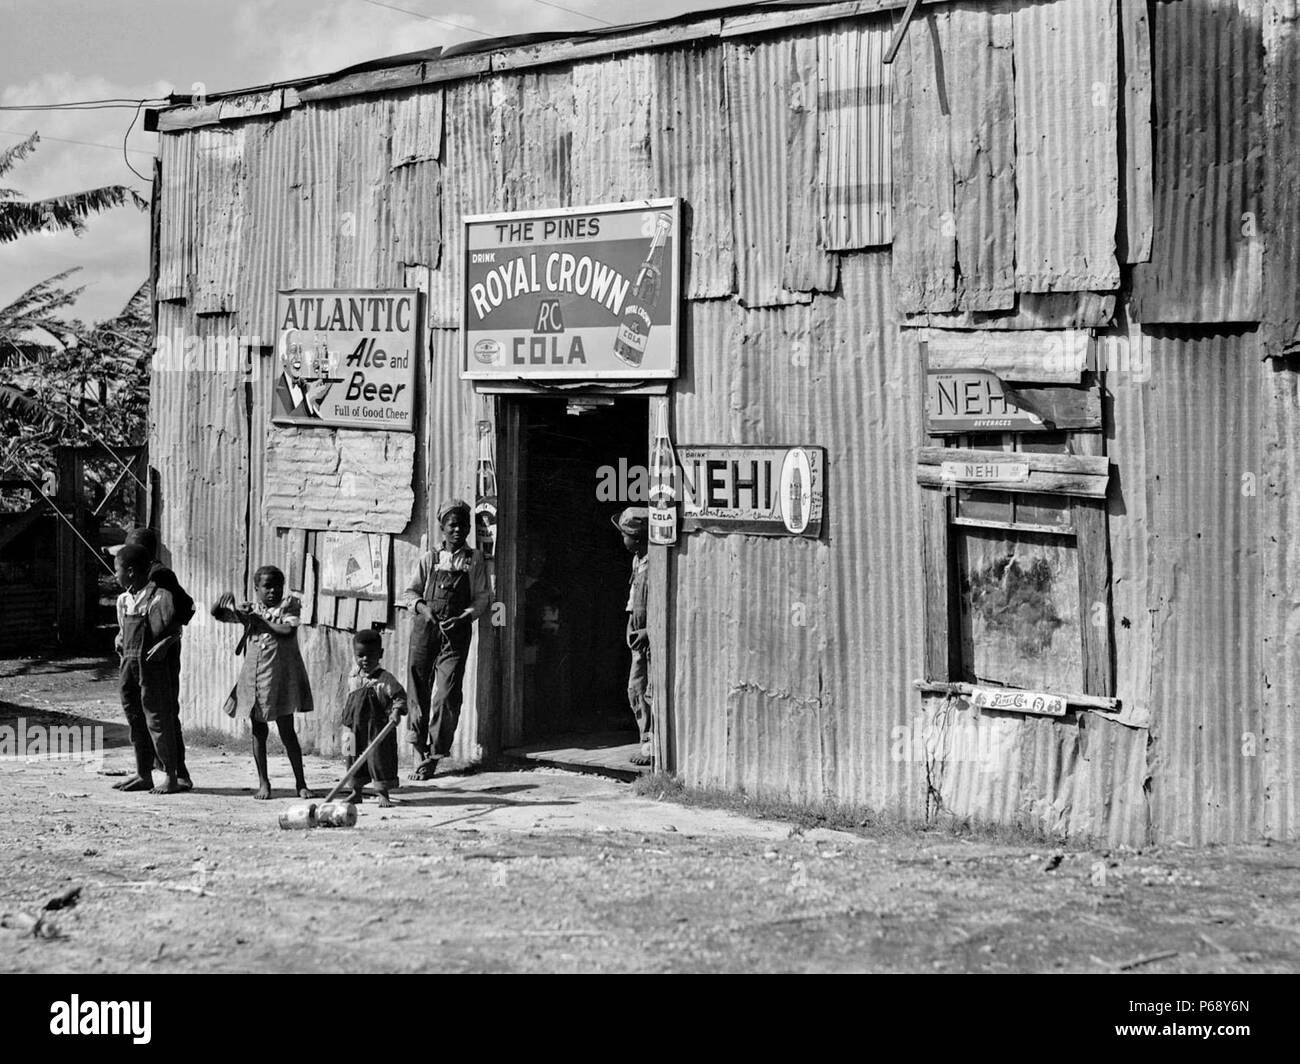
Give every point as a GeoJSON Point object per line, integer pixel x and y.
{"type": "Point", "coordinates": [57, 213]}
{"type": "Point", "coordinates": [18, 152]}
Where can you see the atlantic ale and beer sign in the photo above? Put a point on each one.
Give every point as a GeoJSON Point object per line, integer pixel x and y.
{"type": "Point", "coordinates": [758, 491]}
{"type": "Point", "coordinates": [346, 358]}
{"type": "Point", "coordinates": [584, 293]}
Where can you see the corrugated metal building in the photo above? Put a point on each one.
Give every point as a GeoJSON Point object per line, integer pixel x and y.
{"type": "Point", "coordinates": [1025, 180]}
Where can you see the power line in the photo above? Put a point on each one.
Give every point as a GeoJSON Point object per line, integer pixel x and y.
{"type": "Point", "coordinates": [572, 11]}
{"type": "Point", "coordinates": [84, 143]}
{"type": "Point", "coordinates": [428, 18]}
{"type": "Point", "coordinates": [79, 105]}
{"type": "Point", "coordinates": [125, 137]}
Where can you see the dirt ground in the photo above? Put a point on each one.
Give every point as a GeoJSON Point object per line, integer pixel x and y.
{"type": "Point", "coordinates": [551, 871]}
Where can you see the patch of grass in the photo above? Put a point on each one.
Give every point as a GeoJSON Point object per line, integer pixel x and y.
{"type": "Point", "coordinates": [838, 816]}
{"type": "Point", "coordinates": [216, 739]}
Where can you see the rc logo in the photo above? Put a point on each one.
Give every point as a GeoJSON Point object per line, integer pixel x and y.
{"type": "Point", "coordinates": [102, 1017]}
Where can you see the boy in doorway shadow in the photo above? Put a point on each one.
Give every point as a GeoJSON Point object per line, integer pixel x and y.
{"type": "Point", "coordinates": [633, 524]}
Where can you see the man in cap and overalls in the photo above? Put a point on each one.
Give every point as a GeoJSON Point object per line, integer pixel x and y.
{"type": "Point", "coordinates": [449, 591]}
{"type": "Point", "coordinates": [633, 524]}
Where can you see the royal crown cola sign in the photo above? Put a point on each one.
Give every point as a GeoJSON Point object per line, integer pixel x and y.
{"type": "Point", "coordinates": [584, 293]}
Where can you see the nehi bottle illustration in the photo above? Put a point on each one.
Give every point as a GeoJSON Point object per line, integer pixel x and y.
{"type": "Point", "coordinates": [485, 492]}
{"type": "Point", "coordinates": [796, 500]}
{"type": "Point", "coordinates": [663, 480]}
{"type": "Point", "coordinates": [634, 331]}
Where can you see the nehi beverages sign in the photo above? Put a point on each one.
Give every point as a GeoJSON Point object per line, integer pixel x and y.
{"type": "Point", "coordinates": [762, 491]}
{"type": "Point", "coordinates": [582, 293]}
{"type": "Point", "coordinates": [346, 358]}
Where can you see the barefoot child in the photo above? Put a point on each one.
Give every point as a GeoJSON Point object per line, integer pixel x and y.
{"type": "Point", "coordinates": [273, 683]}
{"type": "Point", "coordinates": [147, 629]}
{"type": "Point", "coordinates": [374, 698]}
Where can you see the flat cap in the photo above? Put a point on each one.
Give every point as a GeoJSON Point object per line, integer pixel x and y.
{"type": "Point", "coordinates": [451, 506]}
{"type": "Point", "coordinates": [633, 521]}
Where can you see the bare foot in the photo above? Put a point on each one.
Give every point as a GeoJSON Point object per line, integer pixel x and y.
{"type": "Point", "coordinates": [305, 792]}
{"type": "Point", "coordinates": [424, 770]}
{"type": "Point", "coordinates": [128, 784]}
{"type": "Point", "coordinates": [138, 783]}
{"type": "Point", "coordinates": [263, 792]}
{"type": "Point", "coordinates": [384, 802]}
{"type": "Point", "coordinates": [357, 797]}
{"type": "Point", "coordinates": [170, 786]}
{"type": "Point", "coordinates": [185, 783]}
{"type": "Point", "coordinates": [641, 759]}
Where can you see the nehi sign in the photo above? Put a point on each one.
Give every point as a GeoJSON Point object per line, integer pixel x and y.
{"type": "Point", "coordinates": [582, 293]}
{"type": "Point", "coordinates": [762, 491]}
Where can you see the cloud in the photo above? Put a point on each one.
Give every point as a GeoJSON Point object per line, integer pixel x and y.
{"type": "Point", "coordinates": [79, 150]}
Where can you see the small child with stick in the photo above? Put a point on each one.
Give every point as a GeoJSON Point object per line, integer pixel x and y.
{"type": "Point", "coordinates": [273, 683]}
{"type": "Point", "coordinates": [374, 698]}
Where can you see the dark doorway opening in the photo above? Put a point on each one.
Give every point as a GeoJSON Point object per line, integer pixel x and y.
{"type": "Point", "coordinates": [580, 467]}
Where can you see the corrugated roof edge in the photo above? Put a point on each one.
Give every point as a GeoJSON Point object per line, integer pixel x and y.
{"type": "Point", "coordinates": [503, 53]}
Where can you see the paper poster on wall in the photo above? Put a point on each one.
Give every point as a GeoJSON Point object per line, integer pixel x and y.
{"type": "Point", "coordinates": [583, 293]}
{"type": "Point", "coordinates": [347, 358]}
{"type": "Point", "coordinates": [761, 491]}
{"type": "Point", "coordinates": [353, 564]}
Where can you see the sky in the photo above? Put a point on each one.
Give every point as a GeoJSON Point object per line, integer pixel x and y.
{"type": "Point", "coordinates": [52, 51]}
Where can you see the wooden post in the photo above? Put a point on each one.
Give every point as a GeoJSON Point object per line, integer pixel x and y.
{"type": "Point", "coordinates": [70, 553]}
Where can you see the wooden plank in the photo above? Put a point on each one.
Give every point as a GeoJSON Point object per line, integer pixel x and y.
{"type": "Point", "coordinates": [297, 547]}
{"type": "Point", "coordinates": [347, 613]}
{"type": "Point", "coordinates": [1038, 461]}
{"type": "Point", "coordinates": [365, 83]}
{"type": "Point", "coordinates": [308, 596]}
{"type": "Point", "coordinates": [1094, 596]}
{"type": "Point", "coordinates": [1082, 701]}
{"type": "Point", "coordinates": [1063, 406]}
{"type": "Point", "coordinates": [1134, 237]}
{"type": "Point", "coordinates": [1042, 356]}
{"type": "Point", "coordinates": [1090, 487]}
{"type": "Point", "coordinates": [782, 18]}
{"type": "Point", "coordinates": [251, 106]}
{"type": "Point", "coordinates": [940, 586]}
{"type": "Point", "coordinates": [573, 49]}
{"type": "Point", "coordinates": [182, 118]}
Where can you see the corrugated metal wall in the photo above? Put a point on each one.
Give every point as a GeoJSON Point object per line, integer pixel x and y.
{"type": "Point", "coordinates": [793, 659]}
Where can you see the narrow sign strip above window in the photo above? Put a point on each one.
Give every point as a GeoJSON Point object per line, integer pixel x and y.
{"type": "Point", "coordinates": [1041, 356]}
{"type": "Point", "coordinates": [1057, 474]}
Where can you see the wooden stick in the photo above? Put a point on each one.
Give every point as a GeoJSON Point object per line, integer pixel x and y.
{"type": "Point", "coordinates": [901, 32]}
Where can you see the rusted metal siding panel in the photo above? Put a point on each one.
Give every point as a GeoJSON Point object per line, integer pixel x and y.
{"type": "Point", "coordinates": [612, 144]}
{"type": "Point", "coordinates": [983, 152]}
{"type": "Point", "coordinates": [1278, 744]}
{"type": "Point", "coordinates": [691, 155]}
{"type": "Point", "coordinates": [219, 217]}
{"type": "Point", "coordinates": [855, 144]}
{"type": "Point", "coordinates": [176, 225]}
{"type": "Point", "coordinates": [1080, 777]}
{"type": "Point", "coordinates": [415, 215]}
{"type": "Point", "coordinates": [870, 391]}
{"type": "Point", "coordinates": [1207, 250]}
{"type": "Point", "coordinates": [348, 479]}
{"type": "Point", "coordinates": [417, 127]}
{"type": "Point", "coordinates": [1281, 269]}
{"type": "Point", "coordinates": [472, 181]}
{"type": "Point", "coordinates": [362, 256]}
{"type": "Point", "coordinates": [771, 86]}
{"type": "Point", "coordinates": [536, 123]}
{"type": "Point", "coordinates": [1135, 233]}
{"type": "Point", "coordinates": [313, 222]}
{"type": "Point", "coordinates": [1067, 167]}
{"type": "Point", "coordinates": [925, 232]}
{"type": "Point", "coordinates": [269, 200]}
{"type": "Point", "coordinates": [1204, 524]}
{"type": "Point", "coordinates": [199, 443]}
{"type": "Point", "coordinates": [813, 646]}
{"type": "Point", "coordinates": [1048, 310]}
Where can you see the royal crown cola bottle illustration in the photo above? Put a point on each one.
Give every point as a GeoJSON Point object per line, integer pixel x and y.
{"type": "Point", "coordinates": [485, 492]}
{"type": "Point", "coordinates": [634, 330]}
{"type": "Point", "coordinates": [663, 479]}
{"type": "Point", "coordinates": [796, 499]}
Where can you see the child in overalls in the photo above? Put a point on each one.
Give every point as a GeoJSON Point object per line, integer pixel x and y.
{"type": "Point", "coordinates": [147, 629]}
{"type": "Point", "coordinates": [163, 577]}
{"type": "Point", "coordinates": [374, 698]}
{"type": "Point", "coordinates": [273, 683]}
{"type": "Point", "coordinates": [449, 591]}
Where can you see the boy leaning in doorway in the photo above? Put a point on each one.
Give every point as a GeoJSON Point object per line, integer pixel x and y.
{"type": "Point", "coordinates": [449, 591]}
{"type": "Point", "coordinates": [633, 524]}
